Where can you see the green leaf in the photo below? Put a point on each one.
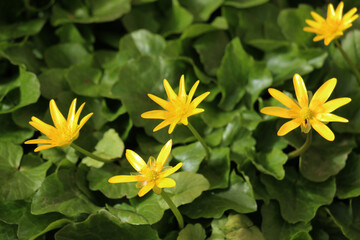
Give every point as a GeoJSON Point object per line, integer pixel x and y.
{"type": "Point", "coordinates": [215, 117]}
{"type": "Point", "coordinates": [275, 227]}
{"type": "Point", "coordinates": [22, 91]}
{"type": "Point", "coordinates": [56, 155]}
{"type": "Point", "coordinates": [11, 211]}
{"type": "Point", "coordinates": [19, 181]}
{"type": "Point", "coordinates": [22, 55]}
{"type": "Point", "coordinates": [348, 180]}
{"type": "Point", "coordinates": [350, 44]}
{"type": "Point", "coordinates": [7, 231]}
{"type": "Point", "coordinates": [347, 218]}
{"type": "Point", "coordinates": [9, 132]}
{"type": "Point", "coordinates": [190, 155]}
{"type": "Point", "coordinates": [176, 19]}
{"type": "Point", "coordinates": [239, 197]}
{"type": "Point", "coordinates": [284, 62]}
{"type": "Point", "coordinates": [21, 29]}
{"type": "Point", "coordinates": [65, 55]}
{"type": "Point", "coordinates": [91, 12]}
{"type": "Point", "coordinates": [192, 231]}
{"type": "Point", "coordinates": [142, 43]}
{"type": "Point", "coordinates": [217, 168]}
{"type": "Point", "coordinates": [211, 48]}
{"type": "Point", "coordinates": [233, 74]}
{"type": "Point", "coordinates": [105, 226]}
{"type": "Point", "coordinates": [53, 83]}
{"type": "Point", "coordinates": [201, 9]}
{"type": "Point", "coordinates": [244, 3]}
{"type": "Point", "coordinates": [289, 18]}
{"type": "Point", "coordinates": [299, 198]}
{"type": "Point", "coordinates": [325, 159]}
{"type": "Point", "coordinates": [188, 187]}
{"type": "Point", "coordinates": [59, 193]}
{"type": "Point", "coordinates": [235, 226]}
{"type": "Point", "coordinates": [109, 147]}
{"type": "Point", "coordinates": [98, 180]}
{"type": "Point", "coordinates": [260, 78]}
{"type": "Point", "coordinates": [144, 210]}
{"type": "Point", "coordinates": [271, 163]}
{"type": "Point", "coordinates": [31, 226]}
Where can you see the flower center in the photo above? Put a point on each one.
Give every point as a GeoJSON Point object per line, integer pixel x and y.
{"type": "Point", "coordinates": [180, 107]}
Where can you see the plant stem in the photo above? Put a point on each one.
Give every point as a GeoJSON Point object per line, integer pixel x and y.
{"type": "Point", "coordinates": [174, 209]}
{"type": "Point", "coordinates": [303, 148]}
{"type": "Point", "coordinates": [349, 61]}
{"type": "Point", "coordinates": [200, 139]}
{"type": "Point", "coordinates": [89, 154]}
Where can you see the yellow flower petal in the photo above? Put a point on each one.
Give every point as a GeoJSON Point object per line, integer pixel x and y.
{"type": "Point", "coordinates": [283, 98]}
{"type": "Point", "coordinates": [278, 112]}
{"type": "Point", "coordinates": [45, 128]}
{"type": "Point", "coordinates": [135, 160]}
{"type": "Point", "coordinates": [71, 113]}
{"type": "Point", "coordinates": [317, 17]}
{"type": "Point", "coordinates": [199, 99]}
{"type": "Point", "coordinates": [331, 10]}
{"type": "Point", "coordinates": [172, 127]}
{"type": "Point", "coordinates": [144, 190]}
{"type": "Point", "coordinates": [323, 93]}
{"type": "Point", "coordinates": [166, 183]}
{"type": "Point", "coordinates": [335, 104]}
{"type": "Point", "coordinates": [300, 91]}
{"type": "Point", "coordinates": [339, 11]}
{"type": "Point", "coordinates": [161, 125]}
{"type": "Point", "coordinates": [163, 155]}
{"type": "Point", "coordinates": [163, 103]}
{"type": "Point", "coordinates": [171, 170]}
{"type": "Point", "coordinates": [289, 126]}
{"type": "Point", "coordinates": [169, 91]}
{"type": "Point", "coordinates": [43, 147]}
{"type": "Point", "coordinates": [38, 141]}
{"type": "Point", "coordinates": [322, 129]}
{"type": "Point", "coordinates": [182, 92]}
{"type": "Point", "coordinates": [329, 117]}
{"type": "Point", "coordinates": [155, 114]}
{"type": "Point", "coordinates": [57, 117]}
{"type": "Point", "coordinates": [84, 120]}
{"type": "Point", "coordinates": [123, 179]}
{"type": "Point", "coordinates": [192, 92]}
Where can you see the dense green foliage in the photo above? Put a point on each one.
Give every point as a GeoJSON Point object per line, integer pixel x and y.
{"type": "Point", "coordinates": [111, 54]}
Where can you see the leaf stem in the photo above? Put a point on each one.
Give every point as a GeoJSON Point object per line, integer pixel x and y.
{"type": "Point", "coordinates": [303, 148]}
{"type": "Point", "coordinates": [89, 154]}
{"type": "Point", "coordinates": [174, 209]}
{"type": "Point", "coordinates": [200, 139]}
{"type": "Point", "coordinates": [348, 59]}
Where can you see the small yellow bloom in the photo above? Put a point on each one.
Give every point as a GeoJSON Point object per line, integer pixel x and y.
{"type": "Point", "coordinates": [64, 132]}
{"type": "Point", "coordinates": [315, 115]}
{"type": "Point", "coordinates": [178, 108]}
{"type": "Point", "coordinates": [151, 175]}
{"type": "Point", "coordinates": [334, 24]}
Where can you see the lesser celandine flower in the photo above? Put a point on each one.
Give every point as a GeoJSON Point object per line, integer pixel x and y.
{"type": "Point", "coordinates": [65, 130]}
{"type": "Point", "coordinates": [178, 108]}
{"type": "Point", "coordinates": [333, 26]}
{"type": "Point", "coordinates": [308, 115]}
{"type": "Point", "coordinates": [151, 175]}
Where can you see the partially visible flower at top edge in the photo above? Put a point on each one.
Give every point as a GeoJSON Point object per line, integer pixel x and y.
{"type": "Point", "coordinates": [314, 115]}
{"type": "Point", "coordinates": [151, 175]}
{"type": "Point", "coordinates": [333, 26]}
{"type": "Point", "coordinates": [178, 108]}
{"type": "Point", "coordinates": [65, 130]}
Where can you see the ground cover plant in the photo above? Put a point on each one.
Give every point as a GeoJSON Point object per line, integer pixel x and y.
{"type": "Point", "coordinates": [179, 119]}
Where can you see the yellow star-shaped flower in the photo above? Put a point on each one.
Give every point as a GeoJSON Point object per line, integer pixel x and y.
{"type": "Point", "coordinates": [178, 108]}
{"type": "Point", "coordinates": [64, 132]}
{"type": "Point", "coordinates": [314, 115]}
{"type": "Point", "coordinates": [334, 24]}
{"type": "Point", "coordinates": [151, 175]}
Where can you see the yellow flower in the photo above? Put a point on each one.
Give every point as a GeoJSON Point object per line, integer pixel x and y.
{"type": "Point", "coordinates": [178, 108]}
{"type": "Point", "coordinates": [315, 115]}
{"type": "Point", "coordinates": [64, 132]}
{"type": "Point", "coordinates": [334, 24]}
{"type": "Point", "coordinates": [151, 176]}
